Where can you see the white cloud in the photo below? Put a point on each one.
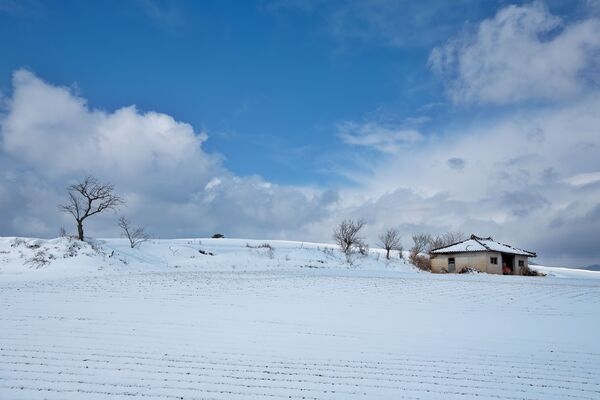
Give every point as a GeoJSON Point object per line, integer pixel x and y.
{"type": "Point", "coordinates": [166, 16]}
{"type": "Point", "coordinates": [520, 177]}
{"type": "Point", "coordinates": [51, 137]}
{"type": "Point", "coordinates": [382, 22]}
{"type": "Point", "coordinates": [584, 179]}
{"type": "Point", "coordinates": [516, 173]}
{"type": "Point", "coordinates": [523, 53]}
{"type": "Point", "coordinates": [379, 137]}
{"type": "Point", "coordinates": [54, 132]}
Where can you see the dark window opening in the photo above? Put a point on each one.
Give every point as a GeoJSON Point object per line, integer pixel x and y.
{"type": "Point", "coordinates": [494, 260]}
{"type": "Point", "coordinates": [521, 263]}
{"type": "Point", "coordinates": [508, 262]}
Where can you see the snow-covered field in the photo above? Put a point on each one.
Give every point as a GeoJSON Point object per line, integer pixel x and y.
{"type": "Point", "coordinates": [168, 322]}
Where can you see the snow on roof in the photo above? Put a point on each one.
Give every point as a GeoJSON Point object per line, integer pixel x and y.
{"type": "Point", "coordinates": [475, 243]}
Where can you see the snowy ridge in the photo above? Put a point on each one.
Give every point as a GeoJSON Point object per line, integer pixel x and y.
{"type": "Point", "coordinates": [166, 321]}
{"type": "Point", "coordinates": [68, 257]}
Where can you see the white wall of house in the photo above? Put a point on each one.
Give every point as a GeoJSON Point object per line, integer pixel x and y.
{"type": "Point", "coordinates": [517, 267]}
{"type": "Point", "coordinates": [477, 260]}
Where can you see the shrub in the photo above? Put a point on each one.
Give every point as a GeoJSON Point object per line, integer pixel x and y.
{"type": "Point", "coordinates": [72, 249]}
{"type": "Point", "coordinates": [420, 245]}
{"type": "Point", "coordinates": [260, 246]}
{"type": "Point", "coordinates": [264, 249]}
{"type": "Point", "coordinates": [526, 271]}
{"type": "Point", "coordinates": [40, 259]}
{"type": "Point", "coordinates": [218, 236]}
{"type": "Point", "coordinates": [421, 262]}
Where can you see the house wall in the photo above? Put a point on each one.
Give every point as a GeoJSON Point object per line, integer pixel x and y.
{"type": "Point", "coordinates": [475, 260]}
{"type": "Point", "coordinates": [517, 269]}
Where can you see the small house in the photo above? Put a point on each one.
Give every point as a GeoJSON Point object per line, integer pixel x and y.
{"type": "Point", "coordinates": [483, 254]}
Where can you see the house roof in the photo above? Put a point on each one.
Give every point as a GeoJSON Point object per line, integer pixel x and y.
{"type": "Point", "coordinates": [477, 244]}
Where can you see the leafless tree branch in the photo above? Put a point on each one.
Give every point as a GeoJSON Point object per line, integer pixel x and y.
{"type": "Point", "coordinates": [347, 236]}
{"type": "Point", "coordinates": [136, 236]}
{"type": "Point", "coordinates": [89, 197]}
{"type": "Point", "coordinates": [390, 240]}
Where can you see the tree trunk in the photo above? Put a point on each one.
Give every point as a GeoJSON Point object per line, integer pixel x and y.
{"type": "Point", "coordinates": [387, 255]}
{"type": "Point", "coordinates": [80, 230]}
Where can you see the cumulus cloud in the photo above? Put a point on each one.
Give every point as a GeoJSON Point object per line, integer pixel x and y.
{"type": "Point", "coordinates": [54, 132]}
{"type": "Point", "coordinates": [522, 53]}
{"type": "Point", "coordinates": [51, 137]}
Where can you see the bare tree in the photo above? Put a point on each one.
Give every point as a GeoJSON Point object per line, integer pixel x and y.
{"type": "Point", "coordinates": [390, 240]}
{"type": "Point", "coordinates": [424, 243]}
{"type": "Point", "coordinates": [421, 243]}
{"type": "Point", "coordinates": [454, 236]}
{"type": "Point", "coordinates": [89, 197]}
{"type": "Point", "coordinates": [136, 236]}
{"type": "Point", "coordinates": [446, 239]}
{"type": "Point", "coordinates": [347, 236]}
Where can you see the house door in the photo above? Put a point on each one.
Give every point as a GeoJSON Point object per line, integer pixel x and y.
{"type": "Point", "coordinates": [451, 264]}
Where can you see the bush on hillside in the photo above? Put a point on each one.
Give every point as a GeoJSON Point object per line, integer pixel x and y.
{"type": "Point", "coordinates": [421, 262]}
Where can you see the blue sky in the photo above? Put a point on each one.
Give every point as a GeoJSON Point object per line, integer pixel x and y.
{"type": "Point", "coordinates": [332, 108]}
{"type": "Point", "coordinates": [266, 79]}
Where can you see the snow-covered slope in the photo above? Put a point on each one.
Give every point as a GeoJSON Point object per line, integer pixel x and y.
{"type": "Point", "coordinates": [166, 321]}
{"type": "Point", "coordinates": [24, 258]}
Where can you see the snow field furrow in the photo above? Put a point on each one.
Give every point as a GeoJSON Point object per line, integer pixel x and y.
{"type": "Point", "coordinates": [425, 385]}
{"type": "Point", "coordinates": [459, 368]}
{"type": "Point", "coordinates": [462, 366]}
{"type": "Point", "coordinates": [192, 392]}
{"type": "Point", "coordinates": [298, 334]}
{"type": "Point", "coordinates": [220, 384]}
{"type": "Point", "coordinates": [48, 392]}
{"type": "Point", "coordinates": [421, 376]}
{"type": "Point", "coordinates": [183, 393]}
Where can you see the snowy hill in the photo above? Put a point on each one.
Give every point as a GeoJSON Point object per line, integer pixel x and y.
{"type": "Point", "coordinates": [288, 320]}
{"type": "Point", "coordinates": [61, 257]}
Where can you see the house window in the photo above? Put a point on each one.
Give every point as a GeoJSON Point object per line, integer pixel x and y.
{"type": "Point", "coordinates": [521, 263]}
{"type": "Point", "coordinates": [451, 264]}
{"type": "Point", "coordinates": [493, 260]}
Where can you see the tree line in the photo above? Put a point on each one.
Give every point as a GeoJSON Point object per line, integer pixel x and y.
{"type": "Point", "coordinates": [90, 197]}
{"type": "Point", "coordinates": [347, 235]}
